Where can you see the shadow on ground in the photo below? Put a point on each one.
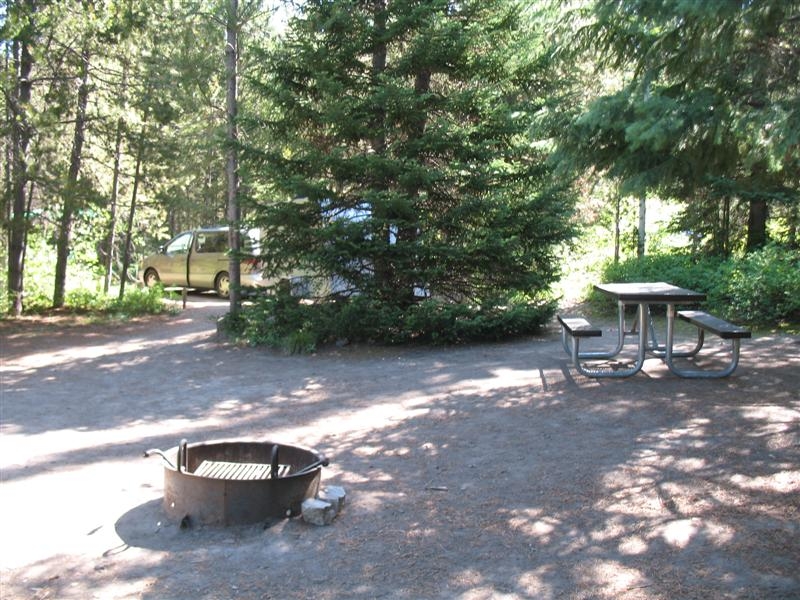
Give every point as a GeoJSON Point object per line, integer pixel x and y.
{"type": "Point", "coordinates": [487, 471]}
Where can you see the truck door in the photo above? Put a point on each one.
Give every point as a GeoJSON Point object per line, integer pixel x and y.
{"type": "Point", "coordinates": [174, 260]}
{"type": "Point", "coordinates": [208, 258]}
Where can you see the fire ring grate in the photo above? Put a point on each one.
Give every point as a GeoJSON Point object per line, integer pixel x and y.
{"type": "Point", "coordinates": [238, 482]}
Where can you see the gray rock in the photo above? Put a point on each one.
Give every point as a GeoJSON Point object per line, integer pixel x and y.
{"type": "Point", "coordinates": [317, 512]}
{"type": "Point", "coordinates": [335, 495]}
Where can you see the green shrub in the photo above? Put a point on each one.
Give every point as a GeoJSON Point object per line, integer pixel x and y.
{"type": "Point", "coordinates": [139, 301]}
{"type": "Point", "coordinates": [762, 287]}
{"type": "Point", "coordinates": [285, 322]}
{"type": "Point", "coordinates": [82, 300]}
{"type": "Point", "coordinates": [37, 299]}
{"type": "Point", "coordinates": [679, 269]}
{"type": "Point", "coordinates": [440, 322]}
{"type": "Point", "coordinates": [134, 302]}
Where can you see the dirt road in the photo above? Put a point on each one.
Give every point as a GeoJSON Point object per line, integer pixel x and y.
{"type": "Point", "coordinates": [488, 471]}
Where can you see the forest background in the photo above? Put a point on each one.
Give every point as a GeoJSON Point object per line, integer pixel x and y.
{"type": "Point", "coordinates": [455, 167]}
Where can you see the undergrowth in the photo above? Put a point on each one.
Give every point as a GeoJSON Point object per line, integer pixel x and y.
{"type": "Point", "coordinates": [87, 303]}
{"type": "Point", "coordinates": [298, 326]}
{"type": "Point", "coordinates": [761, 288]}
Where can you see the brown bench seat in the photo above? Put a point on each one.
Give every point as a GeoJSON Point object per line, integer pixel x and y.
{"type": "Point", "coordinates": [715, 325]}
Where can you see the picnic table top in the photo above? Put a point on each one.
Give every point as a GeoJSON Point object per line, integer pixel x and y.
{"type": "Point", "coordinates": [660, 292]}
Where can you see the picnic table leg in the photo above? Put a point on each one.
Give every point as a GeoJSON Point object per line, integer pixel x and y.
{"type": "Point", "coordinates": [661, 351]}
{"type": "Point", "coordinates": [611, 371]}
{"type": "Point", "coordinates": [695, 373]}
{"type": "Point", "coordinates": [599, 354]}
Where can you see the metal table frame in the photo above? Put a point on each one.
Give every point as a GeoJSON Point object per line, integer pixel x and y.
{"type": "Point", "coordinates": [643, 295]}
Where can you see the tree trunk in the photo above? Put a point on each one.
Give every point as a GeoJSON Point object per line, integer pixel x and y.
{"type": "Point", "coordinates": [641, 240]}
{"type": "Point", "coordinates": [408, 234]}
{"type": "Point", "coordinates": [231, 170]}
{"type": "Point", "coordinates": [111, 238]}
{"type": "Point", "coordinates": [28, 208]}
{"type": "Point", "coordinates": [21, 136]}
{"type": "Point", "coordinates": [126, 250]}
{"type": "Point", "coordinates": [71, 191]}
{"type": "Point", "coordinates": [725, 234]}
{"type": "Point", "coordinates": [757, 224]}
{"type": "Point", "coordinates": [617, 211]}
{"type": "Point", "coordinates": [7, 142]}
{"type": "Point", "coordinates": [383, 268]}
{"type": "Point", "coordinates": [378, 67]}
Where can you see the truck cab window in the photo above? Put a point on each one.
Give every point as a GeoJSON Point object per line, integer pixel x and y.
{"type": "Point", "coordinates": [212, 242]}
{"type": "Point", "coordinates": [180, 245]}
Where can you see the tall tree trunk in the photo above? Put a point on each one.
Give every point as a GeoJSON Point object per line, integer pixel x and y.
{"type": "Point", "coordinates": [378, 67]}
{"type": "Point", "coordinates": [232, 167]}
{"type": "Point", "coordinates": [71, 202]}
{"type": "Point", "coordinates": [408, 233]}
{"type": "Point", "coordinates": [641, 240]}
{"type": "Point", "coordinates": [757, 224]}
{"type": "Point", "coordinates": [21, 136]}
{"type": "Point", "coordinates": [7, 142]}
{"type": "Point", "coordinates": [111, 238]}
{"type": "Point", "coordinates": [617, 216]}
{"type": "Point", "coordinates": [724, 243]}
{"type": "Point", "coordinates": [28, 208]}
{"type": "Point", "coordinates": [112, 225]}
{"type": "Point", "coordinates": [126, 249]}
{"type": "Point", "coordinates": [383, 269]}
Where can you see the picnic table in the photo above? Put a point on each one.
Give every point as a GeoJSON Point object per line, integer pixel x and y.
{"type": "Point", "coordinates": [644, 296]}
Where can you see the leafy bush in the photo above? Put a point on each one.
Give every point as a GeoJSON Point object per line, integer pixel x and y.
{"type": "Point", "coordinates": [762, 287]}
{"type": "Point", "coordinates": [83, 269]}
{"type": "Point", "coordinates": [139, 301]}
{"type": "Point", "coordinates": [439, 322]}
{"type": "Point", "coordinates": [286, 322]}
{"type": "Point", "coordinates": [84, 300]}
{"type": "Point", "coordinates": [135, 302]}
{"type": "Point", "coordinates": [37, 299]}
{"type": "Point", "coordinates": [683, 270]}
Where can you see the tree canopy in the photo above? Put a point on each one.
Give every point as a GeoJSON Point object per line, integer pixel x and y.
{"type": "Point", "coordinates": [397, 160]}
{"type": "Point", "coordinates": [416, 165]}
{"type": "Point", "coordinates": [707, 106]}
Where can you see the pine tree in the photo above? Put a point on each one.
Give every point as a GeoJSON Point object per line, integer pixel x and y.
{"type": "Point", "coordinates": [398, 161]}
{"type": "Point", "coordinates": [708, 108]}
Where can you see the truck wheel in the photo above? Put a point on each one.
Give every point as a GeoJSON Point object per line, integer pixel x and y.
{"type": "Point", "coordinates": [222, 285]}
{"type": "Point", "coordinates": [151, 278]}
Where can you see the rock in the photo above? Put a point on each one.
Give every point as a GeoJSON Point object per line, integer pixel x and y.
{"type": "Point", "coordinates": [317, 512]}
{"type": "Point", "coordinates": [335, 495]}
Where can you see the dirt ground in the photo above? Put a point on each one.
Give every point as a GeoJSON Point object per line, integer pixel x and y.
{"type": "Point", "coordinates": [475, 472]}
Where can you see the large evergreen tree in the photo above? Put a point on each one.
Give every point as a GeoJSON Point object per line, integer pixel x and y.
{"type": "Point", "coordinates": [707, 109]}
{"type": "Point", "coordinates": [399, 162]}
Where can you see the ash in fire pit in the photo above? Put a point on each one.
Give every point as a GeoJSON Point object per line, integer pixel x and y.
{"type": "Point", "coordinates": [237, 482]}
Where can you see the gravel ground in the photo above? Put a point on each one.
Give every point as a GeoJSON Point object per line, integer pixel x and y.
{"type": "Point", "coordinates": [474, 472]}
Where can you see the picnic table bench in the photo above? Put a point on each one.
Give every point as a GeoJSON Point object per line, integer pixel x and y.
{"type": "Point", "coordinates": [643, 295]}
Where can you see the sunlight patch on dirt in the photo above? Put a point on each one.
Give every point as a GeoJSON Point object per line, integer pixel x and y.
{"type": "Point", "coordinates": [611, 578]}
{"type": "Point", "coordinates": [783, 482]}
{"type": "Point", "coordinates": [679, 533]}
